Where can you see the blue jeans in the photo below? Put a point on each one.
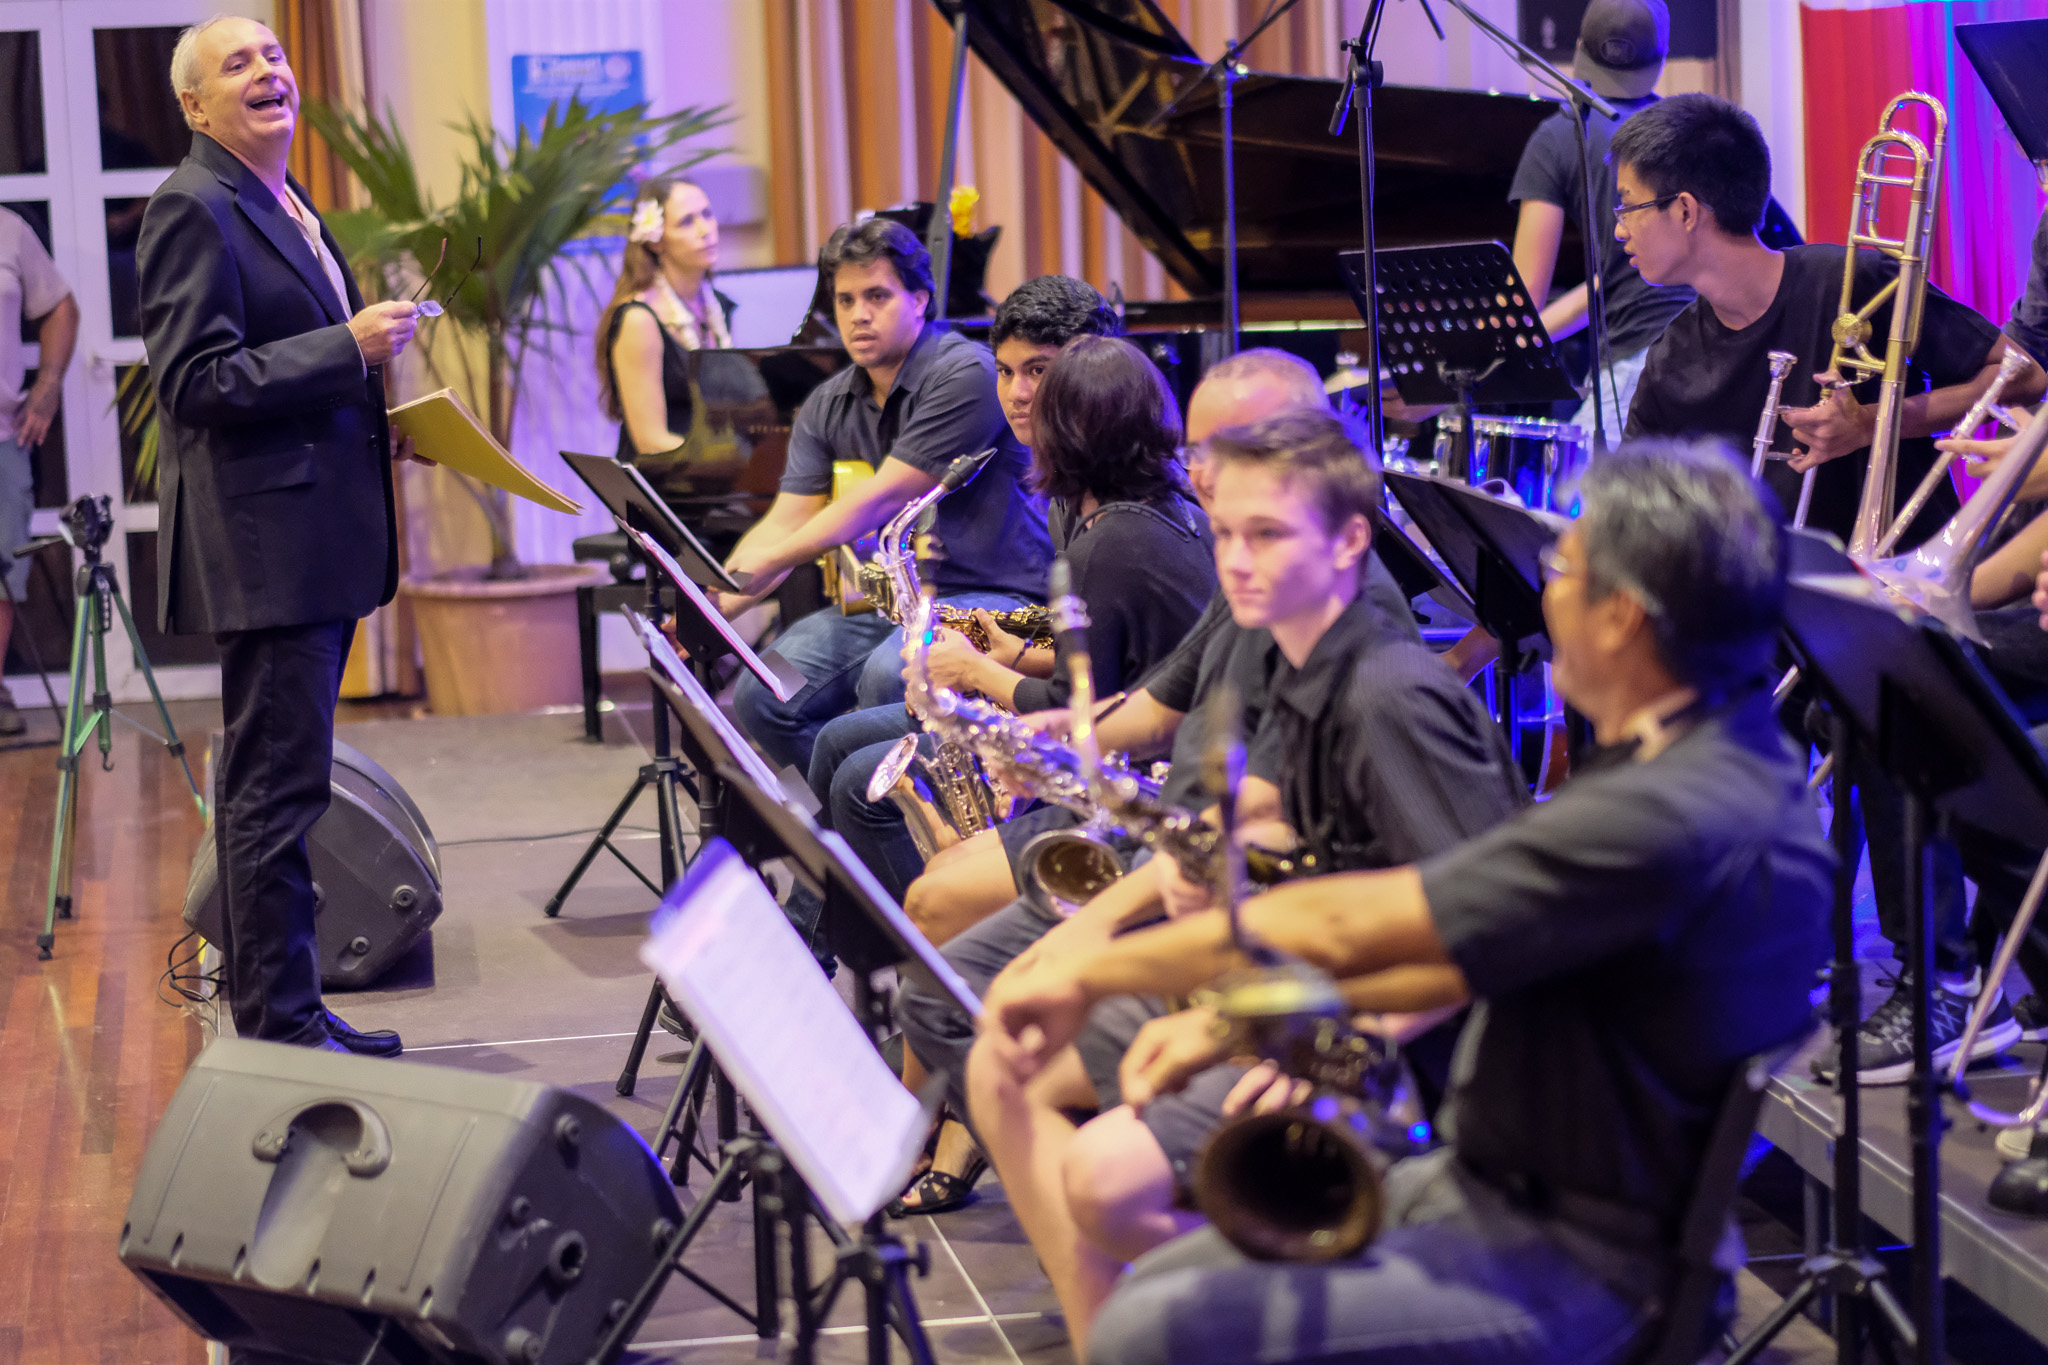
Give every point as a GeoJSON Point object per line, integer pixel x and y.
{"type": "Point", "coordinates": [847, 661]}
{"type": "Point", "coordinates": [848, 751]}
{"type": "Point", "coordinates": [1459, 1277]}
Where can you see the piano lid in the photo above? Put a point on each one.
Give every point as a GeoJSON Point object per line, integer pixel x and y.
{"type": "Point", "coordinates": [1091, 73]}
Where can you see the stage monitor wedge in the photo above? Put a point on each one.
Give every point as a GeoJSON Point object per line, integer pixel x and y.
{"type": "Point", "coordinates": [323, 1207]}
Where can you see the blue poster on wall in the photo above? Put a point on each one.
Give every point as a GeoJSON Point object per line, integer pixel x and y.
{"type": "Point", "coordinates": [609, 81]}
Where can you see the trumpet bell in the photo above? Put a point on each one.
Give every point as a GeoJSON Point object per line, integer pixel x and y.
{"type": "Point", "coordinates": [1289, 1187]}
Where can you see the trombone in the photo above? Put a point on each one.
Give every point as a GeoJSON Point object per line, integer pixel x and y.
{"type": "Point", "coordinates": [1851, 357]}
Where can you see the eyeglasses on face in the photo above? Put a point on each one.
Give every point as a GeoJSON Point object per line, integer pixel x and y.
{"type": "Point", "coordinates": [1552, 565]}
{"type": "Point", "coordinates": [1622, 211]}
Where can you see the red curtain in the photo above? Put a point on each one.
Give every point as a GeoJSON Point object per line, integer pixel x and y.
{"type": "Point", "coordinates": [1855, 61]}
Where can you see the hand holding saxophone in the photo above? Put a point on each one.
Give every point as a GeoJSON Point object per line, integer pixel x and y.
{"type": "Point", "coordinates": [955, 663]}
{"type": "Point", "coordinates": [1169, 1052]}
{"type": "Point", "coordinates": [1837, 425]}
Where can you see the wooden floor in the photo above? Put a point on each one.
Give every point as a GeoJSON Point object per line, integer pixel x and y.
{"type": "Point", "coordinates": [89, 1056]}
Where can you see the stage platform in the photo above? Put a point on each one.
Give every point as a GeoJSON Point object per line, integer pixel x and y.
{"type": "Point", "coordinates": [2003, 1260]}
{"type": "Point", "coordinates": [503, 989]}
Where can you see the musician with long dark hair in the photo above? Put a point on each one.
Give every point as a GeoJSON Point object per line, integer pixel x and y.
{"type": "Point", "coordinates": [663, 305]}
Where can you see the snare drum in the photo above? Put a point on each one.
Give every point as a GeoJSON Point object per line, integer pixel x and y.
{"type": "Point", "coordinates": [1534, 458]}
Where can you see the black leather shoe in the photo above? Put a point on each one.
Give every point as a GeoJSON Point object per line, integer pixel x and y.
{"type": "Point", "coordinates": [382, 1042]}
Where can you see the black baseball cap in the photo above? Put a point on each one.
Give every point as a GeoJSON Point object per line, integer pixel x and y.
{"type": "Point", "coordinates": [1622, 44]}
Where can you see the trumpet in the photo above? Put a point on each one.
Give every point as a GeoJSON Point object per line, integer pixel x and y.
{"type": "Point", "coordinates": [1851, 357]}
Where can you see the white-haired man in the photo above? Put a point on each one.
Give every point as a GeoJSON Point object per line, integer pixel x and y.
{"type": "Point", "coordinates": [278, 530]}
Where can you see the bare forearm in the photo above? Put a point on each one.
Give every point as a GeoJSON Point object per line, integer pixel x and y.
{"type": "Point", "coordinates": [1143, 726]}
{"type": "Point", "coordinates": [1940, 409]}
{"type": "Point", "coordinates": [1408, 989]}
{"type": "Point", "coordinates": [57, 338]}
{"type": "Point", "coordinates": [2008, 574]}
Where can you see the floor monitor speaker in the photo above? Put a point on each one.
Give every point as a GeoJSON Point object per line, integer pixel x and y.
{"type": "Point", "coordinates": [322, 1207]}
{"type": "Point", "coordinates": [376, 872]}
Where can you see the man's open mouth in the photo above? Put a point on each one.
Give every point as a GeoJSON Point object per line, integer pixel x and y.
{"type": "Point", "coordinates": [268, 102]}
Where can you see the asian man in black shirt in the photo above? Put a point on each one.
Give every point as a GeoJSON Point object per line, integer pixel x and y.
{"type": "Point", "coordinates": [1629, 943]}
{"type": "Point", "coordinates": [1693, 173]}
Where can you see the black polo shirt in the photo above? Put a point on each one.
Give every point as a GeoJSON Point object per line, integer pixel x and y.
{"type": "Point", "coordinates": [989, 536]}
{"type": "Point", "coordinates": [1630, 942]}
{"type": "Point", "coordinates": [1389, 757]}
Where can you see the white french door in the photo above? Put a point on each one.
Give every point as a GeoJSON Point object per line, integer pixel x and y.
{"type": "Point", "coordinates": [90, 132]}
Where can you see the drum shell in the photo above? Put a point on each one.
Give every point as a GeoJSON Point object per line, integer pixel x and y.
{"type": "Point", "coordinates": [1537, 460]}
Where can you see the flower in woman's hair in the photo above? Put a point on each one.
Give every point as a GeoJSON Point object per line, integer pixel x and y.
{"type": "Point", "coordinates": [647, 222]}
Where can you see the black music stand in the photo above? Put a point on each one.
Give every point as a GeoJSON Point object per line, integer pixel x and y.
{"type": "Point", "coordinates": [855, 900]}
{"type": "Point", "coordinates": [2009, 58]}
{"type": "Point", "coordinates": [1492, 548]}
{"type": "Point", "coordinates": [1413, 569]}
{"type": "Point", "coordinates": [1925, 711]}
{"type": "Point", "coordinates": [1457, 326]}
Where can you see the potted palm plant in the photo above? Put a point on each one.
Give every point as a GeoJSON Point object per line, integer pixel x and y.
{"type": "Point", "coordinates": [499, 636]}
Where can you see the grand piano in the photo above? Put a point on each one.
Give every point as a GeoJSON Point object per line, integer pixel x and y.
{"type": "Point", "coordinates": [1091, 74]}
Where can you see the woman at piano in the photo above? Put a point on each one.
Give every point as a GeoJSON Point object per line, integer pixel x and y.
{"type": "Point", "coordinates": [663, 305]}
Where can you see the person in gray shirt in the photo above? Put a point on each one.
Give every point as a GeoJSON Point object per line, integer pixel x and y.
{"type": "Point", "coordinates": [916, 398]}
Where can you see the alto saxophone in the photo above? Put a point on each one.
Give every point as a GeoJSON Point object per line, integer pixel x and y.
{"type": "Point", "coordinates": [944, 799]}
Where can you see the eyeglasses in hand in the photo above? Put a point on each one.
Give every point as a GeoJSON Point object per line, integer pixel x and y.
{"type": "Point", "coordinates": [431, 308]}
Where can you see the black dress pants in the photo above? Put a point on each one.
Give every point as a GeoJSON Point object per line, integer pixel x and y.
{"type": "Point", "coordinates": [273, 781]}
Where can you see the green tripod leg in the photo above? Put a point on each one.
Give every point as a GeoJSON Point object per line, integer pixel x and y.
{"type": "Point", "coordinates": [76, 731]}
{"type": "Point", "coordinates": [171, 740]}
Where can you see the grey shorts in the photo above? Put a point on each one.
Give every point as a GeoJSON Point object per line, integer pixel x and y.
{"type": "Point", "coordinates": [17, 500]}
{"type": "Point", "coordinates": [1180, 1123]}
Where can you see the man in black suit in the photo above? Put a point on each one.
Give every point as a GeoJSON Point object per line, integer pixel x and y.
{"type": "Point", "coordinates": [278, 529]}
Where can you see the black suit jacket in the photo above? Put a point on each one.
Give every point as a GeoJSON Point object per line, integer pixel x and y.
{"type": "Point", "coordinates": [274, 482]}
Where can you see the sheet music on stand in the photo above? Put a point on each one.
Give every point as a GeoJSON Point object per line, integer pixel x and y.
{"type": "Point", "coordinates": [775, 673]}
{"type": "Point", "coordinates": [732, 960]}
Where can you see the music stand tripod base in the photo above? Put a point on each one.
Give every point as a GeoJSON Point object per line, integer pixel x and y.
{"type": "Point", "coordinates": [99, 598]}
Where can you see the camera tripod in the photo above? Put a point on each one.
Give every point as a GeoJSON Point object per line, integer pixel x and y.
{"type": "Point", "coordinates": [87, 526]}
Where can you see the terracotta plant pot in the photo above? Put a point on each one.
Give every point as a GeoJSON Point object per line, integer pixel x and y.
{"type": "Point", "coordinates": [494, 648]}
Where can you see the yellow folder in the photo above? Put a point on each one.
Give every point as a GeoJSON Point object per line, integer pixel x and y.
{"type": "Point", "coordinates": [445, 431]}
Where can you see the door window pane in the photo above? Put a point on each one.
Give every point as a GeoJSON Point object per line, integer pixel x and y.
{"type": "Point", "coordinates": [46, 461]}
{"type": "Point", "coordinates": [42, 628]}
{"type": "Point", "coordinates": [163, 650]}
{"type": "Point", "coordinates": [124, 298]}
{"type": "Point", "coordinates": [136, 405]}
{"type": "Point", "coordinates": [36, 213]}
{"type": "Point", "coordinates": [140, 122]}
{"type": "Point", "coordinates": [21, 105]}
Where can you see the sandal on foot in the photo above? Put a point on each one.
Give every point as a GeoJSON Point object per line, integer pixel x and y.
{"type": "Point", "coordinates": [939, 1191]}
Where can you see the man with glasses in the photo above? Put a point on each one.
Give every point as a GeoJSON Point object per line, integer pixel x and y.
{"type": "Point", "coordinates": [278, 526]}
{"type": "Point", "coordinates": [1629, 944]}
{"type": "Point", "coordinates": [1692, 174]}
{"type": "Point", "coordinates": [1621, 50]}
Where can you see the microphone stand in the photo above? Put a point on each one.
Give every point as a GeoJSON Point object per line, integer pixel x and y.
{"type": "Point", "coordinates": [1362, 76]}
{"type": "Point", "coordinates": [1226, 73]}
{"type": "Point", "coordinates": [1584, 104]}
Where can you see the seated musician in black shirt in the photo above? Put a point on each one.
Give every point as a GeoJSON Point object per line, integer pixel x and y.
{"type": "Point", "coordinates": [1629, 943]}
{"type": "Point", "coordinates": [1382, 757]}
{"type": "Point", "coordinates": [1692, 173]}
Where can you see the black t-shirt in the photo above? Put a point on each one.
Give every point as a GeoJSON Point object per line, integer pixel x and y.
{"type": "Point", "coordinates": [989, 536]}
{"type": "Point", "coordinates": [1702, 378]}
{"type": "Point", "coordinates": [1145, 570]}
{"type": "Point", "coordinates": [1389, 757]}
{"type": "Point", "coordinates": [1637, 311]}
{"type": "Point", "coordinates": [1630, 942]}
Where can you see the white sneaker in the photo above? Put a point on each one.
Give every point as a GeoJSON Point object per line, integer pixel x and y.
{"type": "Point", "coordinates": [2013, 1144]}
